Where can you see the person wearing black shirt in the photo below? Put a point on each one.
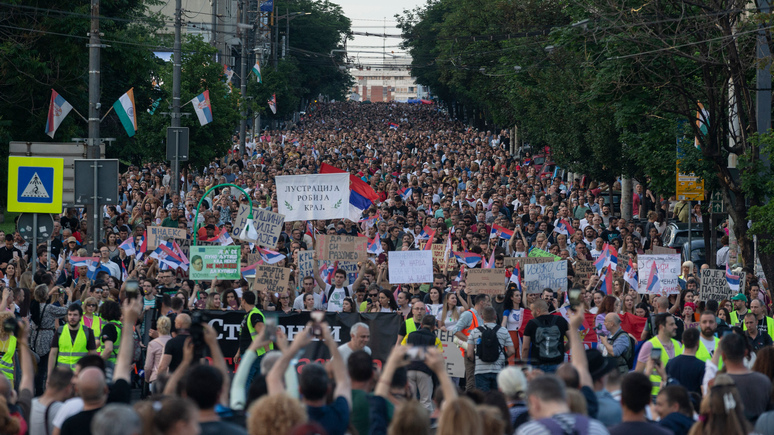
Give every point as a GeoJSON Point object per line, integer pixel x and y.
{"type": "Point", "coordinates": [8, 252]}
{"type": "Point", "coordinates": [173, 350]}
{"type": "Point", "coordinates": [93, 389]}
{"type": "Point", "coordinates": [757, 339]}
{"type": "Point", "coordinates": [686, 368]}
{"type": "Point", "coordinates": [420, 376]}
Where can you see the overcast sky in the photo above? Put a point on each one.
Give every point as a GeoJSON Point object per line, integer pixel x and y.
{"type": "Point", "coordinates": [372, 13]}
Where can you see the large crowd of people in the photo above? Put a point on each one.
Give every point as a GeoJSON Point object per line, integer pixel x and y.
{"type": "Point", "coordinates": [121, 344]}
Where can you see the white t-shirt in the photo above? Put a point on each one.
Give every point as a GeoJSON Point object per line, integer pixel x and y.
{"type": "Point", "coordinates": [346, 351]}
{"type": "Point", "coordinates": [336, 298]}
{"type": "Point", "coordinates": [298, 304]}
{"type": "Point", "coordinates": [67, 410]}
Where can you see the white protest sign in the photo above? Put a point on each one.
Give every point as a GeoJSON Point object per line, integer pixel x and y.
{"type": "Point", "coordinates": [411, 267]}
{"type": "Point", "coordinates": [313, 197]}
{"type": "Point", "coordinates": [668, 267]}
{"type": "Point", "coordinates": [267, 224]}
{"type": "Point", "coordinates": [455, 363]}
{"type": "Point", "coordinates": [540, 276]}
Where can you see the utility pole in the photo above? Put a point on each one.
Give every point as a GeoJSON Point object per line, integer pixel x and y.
{"type": "Point", "coordinates": [94, 82]}
{"type": "Point", "coordinates": [287, 33]}
{"type": "Point", "coordinates": [176, 70]}
{"type": "Point", "coordinates": [243, 79]}
{"type": "Point", "coordinates": [275, 29]}
{"type": "Point", "coordinates": [212, 30]}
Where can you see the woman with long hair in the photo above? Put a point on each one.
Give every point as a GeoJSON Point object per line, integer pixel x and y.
{"type": "Point", "coordinates": [231, 300]}
{"type": "Point", "coordinates": [156, 351]}
{"type": "Point", "coordinates": [607, 306]}
{"type": "Point", "coordinates": [283, 303]}
{"type": "Point", "coordinates": [213, 301]}
{"type": "Point", "coordinates": [721, 411]}
{"type": "Point", "coordinates": [387, 301]}
{"type": "Point", "coordinates": [628, 304]}
{"type": "Point", "coordinates": [308, 302]}
{"type": "Point", "coordinates": [44, 315]}
{"type": "Point", "coordinates": [459, 416]}
{"type": "Point", "coordinates": [513, 315]}
{"type": "Point", "coordinates": [11, 278]}
{"type": "Point", "coordinates": [90, 318]}
{"type": "Point", "coordinates": [112, 243]}
{"type": "Point", "coordinates": [348, 306]}
{"type": "Point", "coordinates": [436, 302]}
{"type": "Point", "coordinates": [450, 314]}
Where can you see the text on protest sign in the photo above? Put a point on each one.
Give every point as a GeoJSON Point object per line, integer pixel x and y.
{"type": "Point", "coordinates": [162, 234]}
{"type": "Point", "coordinates": [342, 248]}
{"type": "Point", "coordinates": [208, 262]}
{"type": "Point", "coordinates": [662, 250]}
{"type": "Point", "coordinates": [267, 224]}
{"type": "Point", "coordinates": [439, 249]}
{"type": "Point", "coordinates": [485, 281]}
{"type": "Point", "coordinates": [551, 275]}
{"type": "Point", "coordinates": [271, 278]}
{"type": "Point", "coordinates": [714, 286]}
{"type": "Point", "coordinates": [668, 267]}
{"type": "Point", "coordinates": [305, 264]}
{"type": "Point", "coordinates": [583, 270]}
{"type": "Point", "coordinates": [349, 267]}
{"type": "Point", "coordinates": [455, 363]}
{"type": "Point", "coordinates": [313, 197]}
{"type": "Point", "coordinates": [410, 267]}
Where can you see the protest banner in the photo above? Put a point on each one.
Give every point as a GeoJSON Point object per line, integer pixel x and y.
{"type": "Point", "coordinates": [409, 267]}
{"type": "Point", "coordinates": [714, 286]}
{"type": "Point", "coordinates": [535, 252]}
{"type": "Point", "coordinates": [267, 224]}
{"type": "Point", "coordinates": [511, 261]}
{"type": "Point", "coordinates": [162, 234]}
{"type": "Point", "coordinates": [384, 331]}
{"type": "Point", "coordinates": [668, 267]}
{"type": "Point", "coordinates": [313, 197]}
{"type": "Point", "coordinates": [551, 275]}
{"type": "Point", "coordinates": [305, 266]}
{"type": "Point", "coordinates": [485, 281]}
{"type": "Point", "coordinates": [273, 279]}
{"type": "Point", "coordinates": [455, 363]}
{"type": "Point", "coordinates": [584, 269]}
{"type": "Point", "coordinates": [439, 249]}
{"type": "Point", "coordinates": [208, 262]}
{"type": "Point", "coordinates": [342, 248]}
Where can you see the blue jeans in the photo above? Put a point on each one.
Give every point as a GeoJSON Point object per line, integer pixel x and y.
{"type": "Point", "coordinates": [255, 370]}
{"type": "Point", "coordinates": [486, 381]}
{"type": "Point", "coordinates": [548, 368]}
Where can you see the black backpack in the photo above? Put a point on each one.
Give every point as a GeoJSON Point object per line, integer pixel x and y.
{"type": "Point", "coordinates": [489, 349]}
{"type": "Point", "coordinates": [628, 355]}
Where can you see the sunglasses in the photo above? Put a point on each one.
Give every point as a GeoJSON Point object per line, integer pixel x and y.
{"type": "Point", "coordinates": [373, 295]}
{"type": "Point", "coordinates": [91, 305]}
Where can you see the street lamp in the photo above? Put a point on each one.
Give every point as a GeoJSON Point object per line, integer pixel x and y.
{"type": "Point", "coordinates": [288, 17]}
{"type": "Point", "coordinates": [196, 219]}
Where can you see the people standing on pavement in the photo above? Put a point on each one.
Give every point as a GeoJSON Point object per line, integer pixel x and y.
{"type": "Point", "coordinates": [489, 346]}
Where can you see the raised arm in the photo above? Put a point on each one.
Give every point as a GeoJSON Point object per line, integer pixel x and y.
{"type": "Point", "coordinates": [337, 365]}
{"type": "Point", "coordinates": [577, 351]}
{"type": "Point", "coordinates": [131, 310]}
{"type": "Point", "coordinates": [316, 272]}
{"type": "Point", "coordinates": [360, 275]}
{"type": "Point", "coordinates": [218, 361]}
{"type": "Point", "coordinates": [274, 378]}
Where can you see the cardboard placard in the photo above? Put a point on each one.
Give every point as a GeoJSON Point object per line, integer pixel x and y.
{"type": "Point", "coordinates": [162, 234]}
{"type": "Point", "coordinates": [714, 286]}
{"type": "Point", "coordinates": [410, 267]}
{"type": "Point", "coordinates": [305, 264]}
{"type": "Point", "coordinates": [551, 275]}
{"type": "Point", "coordinates": [253, 258]}
{"type": "Point", "coordinates": [342, 248]}
{"type": "Point", "coordinates": [584, 269]}
{"type": "Point", "coordinates": [267, 224]}
{"type": "Point", "coordinates": [485, 281]}
{"type": "Point", "coordinates": [208, 262]}
{"type": "Point", "coordinates": [271, 278]}
{"type": "Point", "coordinates": [439, 249]}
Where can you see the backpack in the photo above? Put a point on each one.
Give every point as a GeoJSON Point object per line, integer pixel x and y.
{"type": "Point", "coordinates": [488, 349]}
{"type": "Point", "coordinates": [628, 355]}
{"type": "Point", "coordinates": [581, 426]}
{"type": "Point", "coordinates": [547, 339]}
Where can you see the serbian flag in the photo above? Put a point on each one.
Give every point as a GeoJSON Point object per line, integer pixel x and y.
{"type": "Point", "coordinates": [607, 282]}
{"type": "Point", "coordinates": [223, 238]}
{"type": "Point", "coordinates": [504, 233]}
{"type": "Point", "coordinates": [361, 195]}
{"type": "Point", "coordinates": [654, 284]}
{"type": "Point", "coordinates": [612, 257]}
{"type": "Point", "coordinates": [516, 276]}
{"type": "Point", "coordinates": [273, 104]}
{"type": "Point", "coordinates": [143, 245]}
{"type": "Point", "coordinates": [202, 107]}
{"type": "Point", "coordinates": [326, 273]}
{"type": "Point", "coordinates": [58, 109]}
{"type": "Point", "coordinates": [128, 246]}
{"type": "Point", "coordinates": [732, 280]}
{"type": "Point", "coordinates": [461, 273]}
{"type": "Point", "coordinates": [167, 256]}
{"type": "Point", "coordinates": [468, 258]}
{"type": "Point", "coordinates": [82, 261]}
{"type": "Point", "coordinates": [375, 245]}
{"type": "Point", "coordinates": [490, 263]}
{"type": "Point", "coordinates": [426, 233]}
{"type": "Point", "coordinates": [269, 256]}
{"type": "Point", "coordinates": [563, 227]}
{"type": "Point", "coordinates": [600, 262]}
{"type": "Point", "coordinates": [179, 251]}
{"type": "Point", "coordinates": [94, 268]}
{"type": "Point", "coordinates": [310, 229]}
{"type": "Point", "coordinates": [249, 271]}
{"type": "Point", "coordinates": [406, 193]}
{"type": "Point", "coordinates": [630, 276]}
{"type": "Point", "coordinates": [393, 126]}
{"type": "Point", "coordinates": [228, 72]}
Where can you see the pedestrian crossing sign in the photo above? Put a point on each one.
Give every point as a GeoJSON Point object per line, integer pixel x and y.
{"type": "Point", "coordinates": [35, 184]}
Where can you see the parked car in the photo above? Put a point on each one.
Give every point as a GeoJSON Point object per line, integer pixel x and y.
{"type": "Point", "coordinates": [538, 161]}
{"type": "Point", "coordinates": [547, 171]}
{"type": "Point", "coordinates": [698, 253]}
{"type": "Point", "coordinates": [676, 235]}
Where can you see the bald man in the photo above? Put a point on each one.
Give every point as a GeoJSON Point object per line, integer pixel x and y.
{"type": "Point", "coordinates": [617, 344]}
{"type": "Point", "coordinates": [173, 350]}
{"type": "Point", "coordinates": [93, 389]}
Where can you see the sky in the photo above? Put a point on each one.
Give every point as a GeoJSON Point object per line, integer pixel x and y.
{"type": "Point", "coordinates": [369, 16]}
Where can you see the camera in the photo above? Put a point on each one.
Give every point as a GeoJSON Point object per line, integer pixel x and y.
{"type": "Point", "coordinates": [198, 320]}
{"type": "Point", "coordinates": [11, 326]}
{"type": "Point", "coordinates": [132, 289]}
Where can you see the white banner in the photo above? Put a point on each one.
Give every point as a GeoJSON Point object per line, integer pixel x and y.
{"type": "Point", "coordinates": [410, 267]}
{"type": "Point", "coordinates": [313, 197]}
{"type": "Point", "coordinates": [668, 270]}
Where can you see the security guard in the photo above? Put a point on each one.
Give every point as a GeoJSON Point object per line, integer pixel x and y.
{"type": "Point", "coordinates": [252, 326]}
{"type": "Point", "coordinates": [72, 341]}
{"type": "Point", "coordinates": [740, 309]}
{"type": "Point", "coordinates": [757, 308]}
{"type": "Point", "coordinates": [411, 325]}
{"type": "Point", "coordinates": [664, 340]}
{"type": "Point", "coordinates": [110, 336]}
{"type": "Point", "coordinates": [7, 347]}
{"type": "Point", "coordinates": [707, 327]}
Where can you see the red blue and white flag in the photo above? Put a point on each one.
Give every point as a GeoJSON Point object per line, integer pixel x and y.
{"type": "Point", "coordinates": [468, 258]}
{"type": "Point", "coordinates": [82, 261]}
{"type": "Point", "coordinates": [563, 227]}
{"type": "Point", "coordinates": [361, 195]}
{"type": "Point", "coordinates": [375, 245]}
{"type": "Point", "coordinates": [630, 276]}
{"type": "Point", "coordinates": [607, 282]}
{"type": "Point", "coordinates": [273, 104]}
{"type": "Point", "coordinates": [406, 193]}
{"type": "Point", "coordinates": [269, 256]}
{"type": "Point", "coordinates": [128, 246]}
{"type": "Point", "coordinates": [732, 280]}
{"type": "Point", "coordinates": [516, 276]}
{"type": "Point", "coordinates": [202, 107]}
{"type": "Point", "coordinates": [654, 283]}
{"type": "Point", "coordinates": [58, 109]}
{"type": "Point", "coordinates": [393, 126]}
{"type": "Point", "coordinates": [504, 233]}
{"type": "Point", "coordinates": [249, 271]}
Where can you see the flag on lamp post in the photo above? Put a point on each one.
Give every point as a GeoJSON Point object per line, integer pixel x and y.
{"type": "Point", "coordinates": [201, 104]}
{"type": "Point", "coordinates": [273, 103]}
{"type": "Point", "coordinates": [257, 71]}
{"type": "Point", "coordinates": [125, 109]}
{"type": "Point", "coordinates": [57, 111]}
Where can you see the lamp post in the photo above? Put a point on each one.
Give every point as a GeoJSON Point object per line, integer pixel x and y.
{"type": "Point", "coordinates": [288, 16]}
{"type": "Point", "coordinates": [196, 219]}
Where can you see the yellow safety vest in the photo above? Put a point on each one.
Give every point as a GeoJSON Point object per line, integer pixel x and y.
{"type": "Point", "coordinates": [96, 324]}
{"type": "Point", "coordinates": [654, 378]}
{"type": "Point", "coordinates": [703, 353]}
{"type": "Point", "coordinates": [735, 318]}
{"type": "Point", "coordinates": [769, 327]}
{"type": "Point", "coordinates": [116, 344]}
{"type": "Point", "coordinates": [6, 362]}
{"type": "Point", "coordinates": [69, 352]}
{"type": "Point", "coordinates": [252, 331]}
{"type": "Point", "coordinates": [412, 327]}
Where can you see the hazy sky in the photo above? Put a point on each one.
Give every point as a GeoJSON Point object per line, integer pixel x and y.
{"type": "Point", "coordinates": [372, 13]}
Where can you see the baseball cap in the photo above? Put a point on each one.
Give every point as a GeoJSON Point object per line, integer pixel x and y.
{"type": "Point", "coordinates": [739, 297]}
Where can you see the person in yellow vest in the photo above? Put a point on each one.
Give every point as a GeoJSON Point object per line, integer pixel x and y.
{"type": "Point", "coordinates": [708, 342]}
{"type": "Point", "coordinates": [251, 330]}
{"type": "Point", "coordinates": [8, 347]}
{"type": "Point", "coordinates": [755, 337]}
{"type": "Point", "coordinates": [90, 318]}
{"type": "Point", "coordinates": [470, 320]}
{"type": "Point", "coordinates": [414, 323]}
{"type": "Point", "coordinates": [740, 309]}
{"type": "Point", "coordinates": [71, 341]}
{"type": "Point", "coordinates": [662, 344]}
{"type": "Point", "coordinates": [765, 323]}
